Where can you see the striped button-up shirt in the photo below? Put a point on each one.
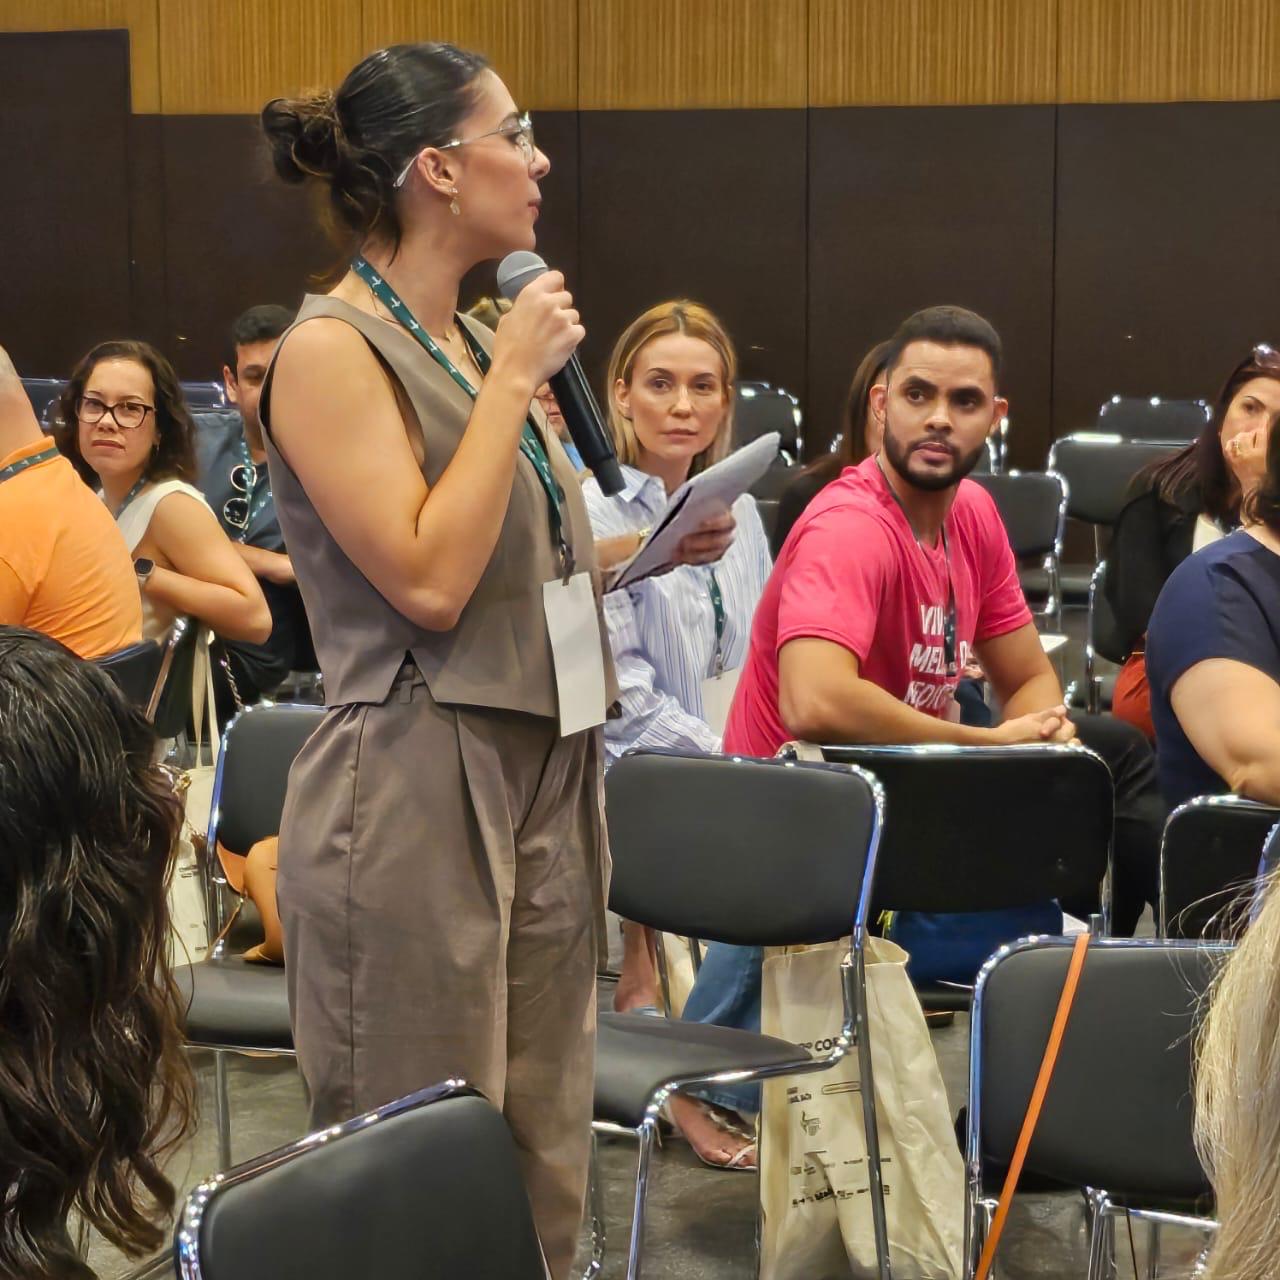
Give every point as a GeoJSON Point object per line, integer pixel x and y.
{"type": "Point", "coordinates": [662, 630]}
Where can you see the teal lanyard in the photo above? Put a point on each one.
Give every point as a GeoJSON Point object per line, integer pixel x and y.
{"type": "Point", "coordinates": [253, 502]}
{"type": "Point", "coordinates": [530, 443]}
{"type": "Point", "coordinates": [717, 607]}
{"type": "Point", "coordinates": [7, 473]}
{"type": "Point", "coordinates": [138, 487]}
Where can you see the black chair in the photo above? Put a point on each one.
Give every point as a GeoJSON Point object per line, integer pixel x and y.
{"type": "Point", "coordinates": [43, 394]}
{"type": "Point", "coordinates": [134, 670]}
{"type": "Point", "coordinates": [1153, 418]}
{"type": "Point", "coordinates": [169, 707]}
{"type": "Point", "coordinates": [768, 509]}
{"type": "Point", "coordinates": [426, 1188]}
{"type": "Point", "coordinates": [231, 1006]}
{"type": "Point", "coordinates": [986, 828]}
{"type": "Point", "coordinates": [204, 395]}
{"type": "Point", "coordinates": [773, 483]}
{"type": "Point", "coordinates": [1117, 1117]}
{"type": "Point", "coordinates": [1103, 640]}
{"type": "Point", "coordinates": [1099, 472]}
{"type": "Point", "coordinates": [750, 852]}
{"type": "Point", "coordinates": [1209, 859]}
{"type": "Point", "coordinates": [760, 407]}
{"type": "Point", "coordinates": [1033, 506]}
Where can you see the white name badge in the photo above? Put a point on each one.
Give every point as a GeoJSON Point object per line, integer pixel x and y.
{"type": "Point", "coordinates": [717, 698]}
{"type": "Point", "coordinates": [574, 629]}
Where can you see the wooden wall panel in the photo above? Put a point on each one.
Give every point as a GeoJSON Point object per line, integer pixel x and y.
{"type": "Point", "coordinates": [913, 207]}
{"type": "Point", "coordinates": [1168, 50]}
{"type": "Point", "coordinates": [66, 132]}
{"type": "Point", "coordinates": [669, 54]}
{"type": "Point", "coordinates": [674, 204]}
{"type": "Point", "coordinates": [932, 52]}
{"type": "Point", "coordinates": [1167, 251]}
{"type": "Point", "coordinates": [533, 45]}
{"type": "Point", "coordinates": [139, 17]}
{"type": "Point", "coordinates": [229, 56]}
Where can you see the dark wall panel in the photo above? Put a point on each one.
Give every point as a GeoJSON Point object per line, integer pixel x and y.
{"type": "Point", "coordinates": [148, 232]}
{"type": "Point", "coordinates": [912, 206]}
{"type": "Point", "coordinates": [708, 205]}
{"type": "Point", "coordinates": [64, 154]}
{"type": "Point", "coordinates": [1168, 249]}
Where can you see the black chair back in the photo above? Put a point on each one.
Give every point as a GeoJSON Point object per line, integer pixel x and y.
{"type": "Point", "coordinates": [134, 670]}
{"type": "Point", "coordinates": [258, 750]}
{"type": "Point", "coordinates": [1209, 860]}
{"type": "Point", "coordinates": [43, 394]}
{"type": "Point", "coordinates": [1033, 506]}
{"type": "Point", "coordinates": [727, 849]}
{"type": "Point", "coordinates": [760, 407]}
{"type": "Point", "coordinates": [1105, 638]}
{"type": "Point", "coordinates": [775, 480]}
{"type": "Point", "coordinates": [1153, 418]}
{"type": "Point", "coordinates": [1099, 472]}
{"type": "Point", "coordinates": [170, 706]}
{"type": "Point", "coordinates": [204, 395]}
{"type": "Point", "coordinates": [983, 828]}
{"type": "Point", "coordinates": [1118, 1113]}
{"type": "Point", "coordinates": [427, 1188]}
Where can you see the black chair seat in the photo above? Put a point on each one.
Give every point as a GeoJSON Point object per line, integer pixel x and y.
{"type": "Point", "coordinates": [636, 1054]}
{"type": "Point", "coordinates": [942, 997]}
{"type": "Point", "coordinates": [236, 1005]}
{"type": "Point", "coordinates": [1074, 579]}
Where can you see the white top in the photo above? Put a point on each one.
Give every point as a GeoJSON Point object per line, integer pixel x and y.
{"type": "Point", "coordinates": [662, 630]}
{"type": "Point", "coordinates": [1206, 532]}
{"type": "Point", "coordinates": [133, 522]}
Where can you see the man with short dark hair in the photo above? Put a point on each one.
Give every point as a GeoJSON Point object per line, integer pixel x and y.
{"type": "Point", "coordinates": [232, 464]}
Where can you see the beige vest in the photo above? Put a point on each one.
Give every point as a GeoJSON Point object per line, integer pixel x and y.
{"type": "Point", "coordinates": [498, 655]}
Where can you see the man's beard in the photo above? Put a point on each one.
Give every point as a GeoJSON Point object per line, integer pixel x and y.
{"type": "Point", "coordinates": [933, 481]}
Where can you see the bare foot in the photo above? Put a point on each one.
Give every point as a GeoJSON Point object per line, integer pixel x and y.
{"type": "Point", "coordinates": [712, 1144]}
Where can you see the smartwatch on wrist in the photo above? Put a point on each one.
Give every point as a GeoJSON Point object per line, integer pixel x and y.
{"type": "Point", "coordinates": [143, 568]}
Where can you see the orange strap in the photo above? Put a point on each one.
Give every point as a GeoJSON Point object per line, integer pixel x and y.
{"type": "Point", "coordinates": [1029, 1121]}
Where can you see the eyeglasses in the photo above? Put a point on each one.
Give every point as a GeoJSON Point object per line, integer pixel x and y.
{"type": "Point", "coordinates": [128, 415]}
{"type": "Point", "coordinates": [235, 511]}
{"type": "Point", "coordinates": [519, 131]}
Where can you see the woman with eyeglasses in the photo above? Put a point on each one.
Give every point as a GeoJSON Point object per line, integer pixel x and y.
{"type": "Point", "coordinates": [1180, 505]}
{"type": "Point", "coordinates": [1213, 647]}
{"type": "Point", "coordinates": [442, 856]}
{"type": "Point", "coordinates": [126, 429]}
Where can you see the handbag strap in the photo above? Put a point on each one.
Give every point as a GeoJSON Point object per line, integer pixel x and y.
{"type": "Point", "coordinates": [203, 710]}
{"type": "Point", "coordinates": [1069, 987]}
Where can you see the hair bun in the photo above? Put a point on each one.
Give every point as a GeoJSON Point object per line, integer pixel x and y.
{"type": "Point", "coordinates": [306, 136]}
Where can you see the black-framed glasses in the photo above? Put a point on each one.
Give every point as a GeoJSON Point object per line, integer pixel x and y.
{"type": "Point", "coordinates": [519, 130]}
{"type": "Point", "coordinates": [128, 415]}
{"type": "Point", "coordinates": [235, 511]}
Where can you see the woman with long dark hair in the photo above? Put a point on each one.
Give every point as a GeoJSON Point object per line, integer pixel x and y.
{"type": "Point", "coordinates": [442, 855]}
{"type": "Point", "coordinates": [94, 1084]}
{"type": "Point", "coordinates": [125, 426]}
{"type": "Point", "coordinates": [1181, 505]}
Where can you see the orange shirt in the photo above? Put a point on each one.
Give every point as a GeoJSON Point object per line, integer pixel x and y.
{"type": "Point", "coordinates": [64, 566]}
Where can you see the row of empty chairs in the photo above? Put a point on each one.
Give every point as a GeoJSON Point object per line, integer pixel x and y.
{"type": "Point", "coordinates": [44, 392]}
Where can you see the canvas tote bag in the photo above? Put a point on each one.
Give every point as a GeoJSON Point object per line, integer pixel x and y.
{"type": "Point", "coordinates": [814, 1184]}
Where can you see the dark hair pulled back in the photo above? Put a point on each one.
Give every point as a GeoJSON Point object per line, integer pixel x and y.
{"type": "Point", "coordinates": [357, 139]}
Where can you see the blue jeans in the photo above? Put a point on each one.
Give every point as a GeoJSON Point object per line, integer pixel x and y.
{"type": "Point", "coordinates": [727, 993]}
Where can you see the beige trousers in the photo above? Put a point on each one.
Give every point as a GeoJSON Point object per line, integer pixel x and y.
{"type": "Point", "coordinates": [442, 882]}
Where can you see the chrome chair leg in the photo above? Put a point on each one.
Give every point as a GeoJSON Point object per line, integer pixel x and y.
{"type": "Point", "coordinates": [645, 1133]}
{"type": "Point", "coordinates": [872, 1131]}
{"type": "Point", "coordinates": [1153, 1251]}
{"type": "Point", "coordinates": [222, 1108]}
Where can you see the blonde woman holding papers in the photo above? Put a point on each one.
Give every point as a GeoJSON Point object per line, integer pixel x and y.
{"type": "Point", "coordinates": [678, 639]}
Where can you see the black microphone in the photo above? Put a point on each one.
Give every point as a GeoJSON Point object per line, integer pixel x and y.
{"type": "Point", "coordinates": [570, 386]}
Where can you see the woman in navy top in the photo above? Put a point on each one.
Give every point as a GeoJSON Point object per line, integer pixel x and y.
{"type": "Point", "coordinates": [1213, 648]}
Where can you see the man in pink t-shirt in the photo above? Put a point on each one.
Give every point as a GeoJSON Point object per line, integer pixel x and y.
{"type": "Point", "coordinates": [898, 572]}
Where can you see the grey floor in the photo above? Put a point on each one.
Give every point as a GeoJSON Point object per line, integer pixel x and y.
{"type": "Point", "coordinates": [702, 1222]}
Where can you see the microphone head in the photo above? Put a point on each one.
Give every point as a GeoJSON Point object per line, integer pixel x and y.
{"type": "Point", "coordinates": [516, 270]}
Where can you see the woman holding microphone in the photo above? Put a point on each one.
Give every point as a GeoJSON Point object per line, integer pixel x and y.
{"type": "Point", "coordinates": [442, 854]}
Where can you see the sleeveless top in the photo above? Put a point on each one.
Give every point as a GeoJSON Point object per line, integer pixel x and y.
{"type": "Point", "coordinates": [498, 654]}
{"type": "Point", "coordinates": [133, 522]}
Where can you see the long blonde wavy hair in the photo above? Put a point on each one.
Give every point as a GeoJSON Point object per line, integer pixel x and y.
{"type": "Point", "coordinates": [1237, 1091]}
{"type": "Point", "coordinates": [680, 316]}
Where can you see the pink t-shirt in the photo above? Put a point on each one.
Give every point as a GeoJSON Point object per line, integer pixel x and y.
{"type": "Point", "coordinates": [852, 572]}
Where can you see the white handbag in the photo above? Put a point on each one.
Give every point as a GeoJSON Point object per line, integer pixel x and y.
{"type": "Point", "coordinates": [813, 1176]}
